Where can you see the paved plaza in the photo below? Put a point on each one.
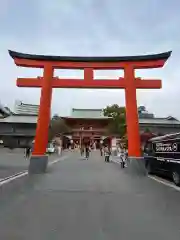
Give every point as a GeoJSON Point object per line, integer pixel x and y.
{"type": "Point", "coordinates": [88, 199]}
{"type": "Point", "coordinates": [13, 161]}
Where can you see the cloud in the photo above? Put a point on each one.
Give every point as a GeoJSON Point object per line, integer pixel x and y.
{"type": "Point", "coordinates": [91, 28]}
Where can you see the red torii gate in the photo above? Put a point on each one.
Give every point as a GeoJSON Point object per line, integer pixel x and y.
{"type": "Point", "coordinates": [88, 64]}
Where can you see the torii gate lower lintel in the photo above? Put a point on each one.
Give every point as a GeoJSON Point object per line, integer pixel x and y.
{"type": "Point", "coordinates": [88, 64]}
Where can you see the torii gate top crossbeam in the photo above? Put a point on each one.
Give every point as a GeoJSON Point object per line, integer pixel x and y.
{"type": "Point", "coordinates": [138, 62]}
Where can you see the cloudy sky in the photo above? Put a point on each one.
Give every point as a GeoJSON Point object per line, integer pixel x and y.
{"type": "Point", "coordinates": [91, 28]}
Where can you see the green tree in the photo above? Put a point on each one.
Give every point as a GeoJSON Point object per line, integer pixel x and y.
{"type": "Point", "coordinates": [147, 130]}
{"type": "Point", "coordinates": [57, 127]}
{"type": "Point", "coordinates": [118, 124]}
{"type": "Point", "coordinates": [142, 109]}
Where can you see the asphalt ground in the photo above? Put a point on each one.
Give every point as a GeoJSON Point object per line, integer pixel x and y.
{"type": "Point", "coordinates": [88, 199]}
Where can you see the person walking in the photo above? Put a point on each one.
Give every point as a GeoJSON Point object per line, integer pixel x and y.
{"type": "Point", "coordinates": [126, 157]}
{"type": "Point", "coordinates": [27, 152]}
{"type": "Point", "coordinates": [59, 148]}
{"type": "Point", "coordinates": [87, 150]}
{"type": "Point", "coordinates": [107, 153]}
{"type": "Point", "coordinates": [101, 150]}
{"type": "Point", "coordinates": [123, 157]}
{"type": "Point", "coordinates": [82, 150]}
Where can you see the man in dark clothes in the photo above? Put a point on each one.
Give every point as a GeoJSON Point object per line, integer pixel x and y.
{"type": "Point", "coordinates": [27, 152]}
{"type": "Point", "coordinates": [82, 150]}
{"type": "Point", "coordinates": [101, 148]}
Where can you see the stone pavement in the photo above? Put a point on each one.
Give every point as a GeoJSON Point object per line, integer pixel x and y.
{"type": "Point", "coordinates": [13, 161]}
{"type": "Point", "coordinates": [88, 200]}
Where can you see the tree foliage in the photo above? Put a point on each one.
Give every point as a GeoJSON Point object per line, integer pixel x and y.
{"type": "Point", "coordinates": [147, 130]}
{"type": "Point", "coordinates": [142, 109]}
{"type": "Point", "coordinates": [118, 124]}
{"type": "Point", "coordinates": [57, 127]}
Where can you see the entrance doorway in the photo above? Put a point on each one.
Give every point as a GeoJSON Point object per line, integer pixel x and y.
{"type": "Point", "coordinates": [66, 142]}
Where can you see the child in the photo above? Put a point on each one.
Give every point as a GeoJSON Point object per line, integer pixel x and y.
{"type": "Point", "coordinates": [107, 153]}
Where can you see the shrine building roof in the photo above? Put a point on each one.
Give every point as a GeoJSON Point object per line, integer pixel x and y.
{"type": "Point", "coordinates": [20, 119]}
{"type": "Point", "coordinates": [87, 113]}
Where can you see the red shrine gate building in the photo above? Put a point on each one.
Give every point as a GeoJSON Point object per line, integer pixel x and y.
{"type": "Point", "coordinates": [88, 125]}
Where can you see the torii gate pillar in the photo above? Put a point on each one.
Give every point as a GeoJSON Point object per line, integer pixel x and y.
{"type": "Point", "coordinates": [132, 121]}
{"type": "Point", "coordinates": [129, 64]}
{"type": "Point", "coordinates": [44, 113]}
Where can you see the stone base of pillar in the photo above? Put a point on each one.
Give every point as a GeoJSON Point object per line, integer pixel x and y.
{"type": "Point", "coordinates": [38, 164]}
{"type": "Point", "coordinates": [136, 165]}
